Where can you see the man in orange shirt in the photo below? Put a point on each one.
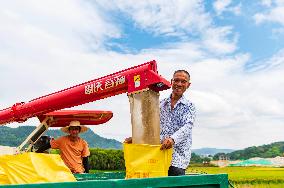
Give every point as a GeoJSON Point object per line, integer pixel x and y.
{"type": "Point", "coordinates": [74, 150]}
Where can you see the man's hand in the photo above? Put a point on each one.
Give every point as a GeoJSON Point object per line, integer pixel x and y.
{"type": "Point", "coordinates": [167, 143]}
{"type": "Point", "coordinates": [128, 140]}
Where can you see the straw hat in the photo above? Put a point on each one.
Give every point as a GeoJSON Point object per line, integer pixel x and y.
{"type": "Point", "coordinates": [74, 124]}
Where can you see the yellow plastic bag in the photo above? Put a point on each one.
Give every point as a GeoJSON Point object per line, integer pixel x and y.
{"type": "Point", "coordinates": [143, 160]}
{"type": "Point", "coordinates": [34, 168]}
{"type": "Point", "coordinates": [3, 177]}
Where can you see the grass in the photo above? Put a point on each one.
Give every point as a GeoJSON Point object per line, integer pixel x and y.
{"type": "Point", "coordinates": [250, 177]}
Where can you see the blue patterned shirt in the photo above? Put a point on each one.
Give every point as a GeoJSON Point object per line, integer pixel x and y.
{"type": "Point", "coordinates": [177, 124]}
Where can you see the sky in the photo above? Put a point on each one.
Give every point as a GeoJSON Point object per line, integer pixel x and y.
{"type": "Point", "coordinates": [234, 51]}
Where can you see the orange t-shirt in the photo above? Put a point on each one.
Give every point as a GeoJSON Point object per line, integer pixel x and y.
{"type": "Point", "coordinates": [72, 152]}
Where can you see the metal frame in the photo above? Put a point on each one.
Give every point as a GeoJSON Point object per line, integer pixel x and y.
{"type": "Point", "coordinates": [187, 181]}
{"type": "Point", "coordinates": [34, 136]}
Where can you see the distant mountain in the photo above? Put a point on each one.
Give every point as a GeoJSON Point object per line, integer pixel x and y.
{"type": "Point", "coordinates": [15, 136]}
{"type": "Point", "coordinates": [211, 151]}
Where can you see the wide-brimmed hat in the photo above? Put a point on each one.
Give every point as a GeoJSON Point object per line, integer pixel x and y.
{"type": "Point", "coordinates": [74, 124]}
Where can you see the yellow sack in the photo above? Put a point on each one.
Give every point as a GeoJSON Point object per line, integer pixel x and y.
{"type": "Point", "coordinates": [34, 168]}
{"type": "Point", "coordinates": [144, 161]}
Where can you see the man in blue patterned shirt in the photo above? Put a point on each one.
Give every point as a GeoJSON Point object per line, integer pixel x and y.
{"type": "Point", "coordinates": [177, 116]}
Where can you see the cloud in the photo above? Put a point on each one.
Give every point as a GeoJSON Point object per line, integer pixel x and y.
{"type": "Point", "coordinates": [189, 21]}
{"type": "Point", "coordinates": [239, 136]}
{"type": "Point", "coordinates": [274, 13]}
{"type": "Point", "coordinates": [216, 40]}
{"type": "Point", "coordinates": [60, 25]}
{"type": "Point", "coordinates": [267, 3]}
{"type": "Point", "coordinates": [165, 17]}
{"type": "Point", "coordinates": [274, 62]}
{"type": "Point", "coordinates": [278, 32]}
{"type": "Point", "coordinates": [221, 6]}
{"type": "Point", "coordinates": [40, 42]}
{"type": "Point", "coordinates": [232, 102]}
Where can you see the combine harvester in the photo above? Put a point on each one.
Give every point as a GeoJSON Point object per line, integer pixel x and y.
{"type": "Point", "coordinates": [142, 84]}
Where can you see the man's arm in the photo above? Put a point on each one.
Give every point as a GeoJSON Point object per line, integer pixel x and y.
{"type": "Point", "coordinates": [86, 164]}
{"type": "Point", "coordinates": [185, 131]}
{"type": "Point", "coordinates": [85, 156]}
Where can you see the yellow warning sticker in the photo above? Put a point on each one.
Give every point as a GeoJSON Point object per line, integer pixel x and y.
{"type": "Point", "coordinates": [137, 81]}
{"type": "Point", "coordinates": [136, 78]}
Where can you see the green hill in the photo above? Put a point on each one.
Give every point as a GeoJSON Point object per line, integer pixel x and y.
{"type": "Point", "coordinates": [265, 151]}
{"type": "Point", "coordinates": [15, 136]}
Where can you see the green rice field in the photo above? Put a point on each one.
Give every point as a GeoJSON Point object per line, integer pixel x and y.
{"type": "Point", "coordinates": [247, 177]}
